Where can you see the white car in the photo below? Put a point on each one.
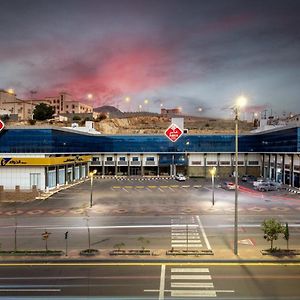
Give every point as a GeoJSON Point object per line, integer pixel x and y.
{"type": "Point", "coordinates": [180, 177]}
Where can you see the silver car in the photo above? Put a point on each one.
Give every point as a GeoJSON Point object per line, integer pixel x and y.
{"type": "Point", "coordinates": [267, 186]}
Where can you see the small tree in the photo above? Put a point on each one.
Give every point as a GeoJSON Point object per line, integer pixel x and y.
{"type": "Point", "coordinates": [143, 242]}
{"type": "Point", "coordinates": [101, 117]}
{"type": "Point", "coordinates": [76, 118]}
{"type": "Point", "coordinates": [43, 112]}
{"type": "Point", "coordinates": [119, 246]}
{"type": "Point", "coordinates": [286, 235]}
{"type": "Point", "coordinates": [271, 228]}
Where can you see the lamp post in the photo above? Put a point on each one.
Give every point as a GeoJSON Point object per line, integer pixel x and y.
{"type": "Point", "coordinates": [92, 178]}
{"type": "Point", "coordinates": [213, 173]}
{"type": "Point", "coordinates": [241, 102]}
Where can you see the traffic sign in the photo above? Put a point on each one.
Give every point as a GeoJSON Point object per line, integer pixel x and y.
{"type": "Point", "coordinates": [1, 125]}
{"type": "Point", "coordinates": [173, 132]}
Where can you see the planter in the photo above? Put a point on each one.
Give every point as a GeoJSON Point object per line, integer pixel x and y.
{"type": "Point", "coordinates": [89, 252]}
{"type": "Point", "coordinates": [31, 253]}
{"type": "Point", "coordinates": [189, 252]}
{"type": "Point", "coordinates": [130, 252]}
{"type": "Point", "coordinates": [280, 252]}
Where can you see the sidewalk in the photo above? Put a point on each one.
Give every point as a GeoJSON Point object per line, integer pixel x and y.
{"type": "Point", "coordinates": [46, 195]}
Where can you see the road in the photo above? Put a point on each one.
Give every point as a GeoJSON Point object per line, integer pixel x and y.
{"type": "Point", "coordinates": [152, 281]}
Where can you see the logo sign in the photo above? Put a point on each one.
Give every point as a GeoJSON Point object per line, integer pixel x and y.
{"type": "Point", "coordinates": [1, 125]}
{"type": "Point", "coordinates": [174, 132]}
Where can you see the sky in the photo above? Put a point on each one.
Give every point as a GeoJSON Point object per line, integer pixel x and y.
{"type": "Point", "coordinates": [191, 54]}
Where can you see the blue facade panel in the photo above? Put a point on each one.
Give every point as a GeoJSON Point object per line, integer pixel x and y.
{"type": "Point", "coordinates": [33, 140]}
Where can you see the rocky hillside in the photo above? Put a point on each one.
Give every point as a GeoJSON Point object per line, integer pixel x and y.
{"type": "Point", "coordinates": [158, 125]}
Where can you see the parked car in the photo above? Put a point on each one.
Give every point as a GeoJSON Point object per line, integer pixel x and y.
{"type": "Point", "coordinates": [260, 181]}
{"type": "Point", "coordinates": [267, 186]}
{"type": "Point", "coordinates": [180, 177]}
{"type": "Point", "coordinates": [249, 178]}
{"type": "Point", "coordinates": [227, 185]}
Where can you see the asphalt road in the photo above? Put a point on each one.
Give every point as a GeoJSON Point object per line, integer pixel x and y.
{"type": "Point", "coordinates": [166, 212]}
{"type": "Point", "coordinates": [151, 281]}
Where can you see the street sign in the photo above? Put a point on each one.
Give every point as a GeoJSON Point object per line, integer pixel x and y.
{"type": "Point", "coordinates": [173, 132]}
{"type": "Point", "coordinates": [45, 235]}
{"type": "Point", "coordinates": [1, 125]}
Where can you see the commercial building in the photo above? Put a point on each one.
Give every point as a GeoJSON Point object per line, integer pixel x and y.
{"type": "Point", "coordinates": [47, 157]}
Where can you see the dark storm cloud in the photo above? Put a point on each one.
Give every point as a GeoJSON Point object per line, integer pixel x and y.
{"type": "Point", "coordinates": [197, 53]}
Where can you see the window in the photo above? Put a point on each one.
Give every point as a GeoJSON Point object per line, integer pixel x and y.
{"type": "Point", "coordinates": [73, 106]}
{"type": "Point", "coordinates": [95, 159]}
{"type": "Point", "coordinates": [224, 163]}
{"type": "Point", "coordinates": [211, 163]}
{"type": "Point", "coordinates": [122, 158]}
{"type": "Point", "coordinates": [150, 158]}
{"type": "Point", "coordinates": [253, 163]}
{"type": "Point", "coordinates": [135, 158]}
{"type": "Point", "coordinates": [67, 106]}
{"type": "Point", "coordinates": [109, 158]}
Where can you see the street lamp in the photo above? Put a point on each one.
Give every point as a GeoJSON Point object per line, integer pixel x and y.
{"type": "Point", "coordinates": [127, 100]}
{"type": "Point", "coordinates": [213, 173]}
{"type": "Point", "coordinates": [92, 177]}
{"type": "Point", "coordinates": [240, 103]}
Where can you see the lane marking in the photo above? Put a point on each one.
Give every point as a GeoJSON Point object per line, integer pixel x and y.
{"type": "Point", "coordinates": [151, 264]}
{"type": "Point", "coordinates": [185, 246]}
{"type": "Point", "coordinates": [203, 233]}
{"type": "Point", "coordinates": [189, 270]}
{"type": "Point", "coordinates": [125, 190]}
{"type": "Point", "coordinates": [190, 277]}
{"type": "Point", "coordinates": [195, 293]}
{"type": "Point", "coordinates": [30, 290]}
{"type": "Point", "coordinates": [162, 283]}
{"type": "Point", "coordinates": [192, 285]}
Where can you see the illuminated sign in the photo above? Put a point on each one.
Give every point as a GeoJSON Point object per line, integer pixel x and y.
{"type": "Point", "coordinates": [173, 133]}
{"type": "Point", "coordinates": [43, 161]}
{"type": "Point", "coordinates": [1, 125]}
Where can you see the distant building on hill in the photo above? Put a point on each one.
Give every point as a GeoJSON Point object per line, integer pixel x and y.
{"type": "Point", "coordinates": [170, 112]}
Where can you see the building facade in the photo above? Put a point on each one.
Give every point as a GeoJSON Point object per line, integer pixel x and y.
{"type": "Point", "coordinates": [58, 156]}
{"type": "Point", "coordinates": [64, 103]}
{"type": "Point", "coordinates": [22, 108]}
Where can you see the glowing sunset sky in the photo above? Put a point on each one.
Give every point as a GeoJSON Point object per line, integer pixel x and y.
{"type": "Point", "coordinates": [180, 53]}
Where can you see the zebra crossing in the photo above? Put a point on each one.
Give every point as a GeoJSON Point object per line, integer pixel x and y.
{"type": "Point", "coordinates": [192, 282]}
{"type": "Point", "coordinates": [185, 234]}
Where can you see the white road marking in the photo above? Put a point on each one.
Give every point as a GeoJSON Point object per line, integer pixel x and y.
{"type": "Point", "coordinates": [162, 282]}
{"type": "Point", "coordinates": [195, 293]}
{"type": "Point", "coordinates": [185, 241]}
{"type": "Point", "coordinates": [190, 277]}
{"type": "Point", "coordinates": [189, 270]}
{"type": "Point", "coordinates": [30, 290]}
{"type": "Point", "coordinates": [203, 233]}
{"type": "Point", "coordinates": [185, 246]}
{"type": "Point", "coordinates": [161, 190]}
{"type": "Point", "coordinates": [125, 190]}
{"type": "Point", "coordinates": [192, 285]}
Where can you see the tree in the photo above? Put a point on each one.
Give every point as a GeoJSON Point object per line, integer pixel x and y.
{"type": "Point", "coordinates": [43, 112]}
{"type": "Point", "coordinates": [286, 235]}
{"type": "Point", "coordinates": [119, 246]}
{"type": "Point", "coordinates": [101, 117]}
{"type": "Point", "coordinates": [76, 118]}
{"type": "Point", "coordinates": [271, 228]}
{"type": "Point", "coordinates": [143, 242]}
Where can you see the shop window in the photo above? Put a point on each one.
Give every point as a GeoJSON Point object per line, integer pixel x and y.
{"type": "Point", "coordinates": [150, 158]}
